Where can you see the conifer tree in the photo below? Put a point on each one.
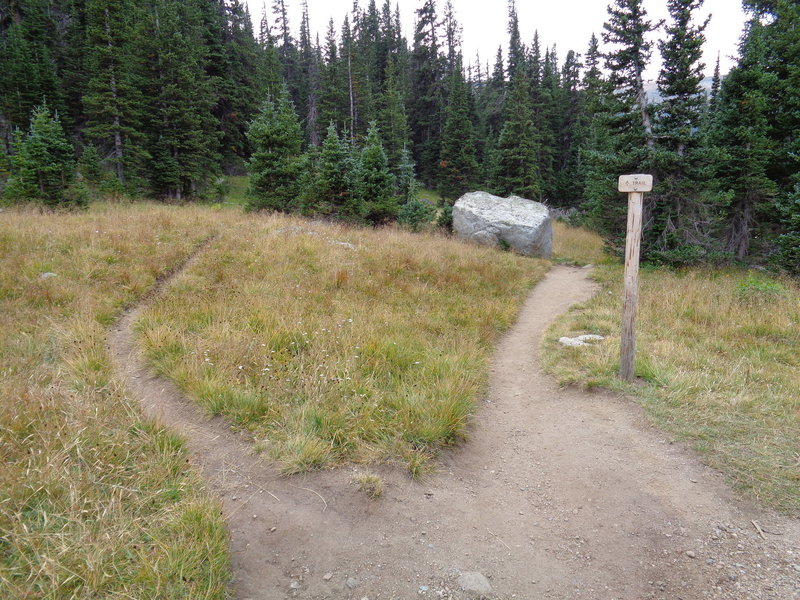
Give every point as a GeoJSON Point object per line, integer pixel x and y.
{"type": "Point", "coordinates": [678, 211]}
{"type": "Point", "coordinates": [276, 140]}
{"type": "Point", "coordinates": [457, 163]}
{"type": "Point", "coordinates": [515, 167]}
{"type": "Point", "coordinates": [516, 50]}
{"type": "Point", "coordinates": [489, 106]}
{"type": "Point", "coordinates": [241, 88]}
{"type": "Point", "coordinates": [333, 96]}
{"type": "Point", "coordinates": [568, 142]}
{"type": "Point", "coordinates": [269, 72]}
{"type": "Point", "coordinates": [407, 184]}
{"type": "Point", "coordinates": [392, 120]}
{"type": "Point", "coordinates": [742, 131]}
{"type": "Point", "coordinates": [43, 165]}
{"type": "Point", "coordinates": [28, 67]}
{"type": "Point", "coordinates": [183, 136]}
{"type": "Point", "coordinates": [336, 187]}
{"type": "Point", "coordinates": [626, 30]}
{"type": "Point", "coordinates": [716, 83]}
{"type": "Point", "coordinates": [426, 92]}
{"type": "Point", "coordinates": [376, 185]}
{"type": "Point", "coordinates": [627, 136]}
{"type": "Point", "coordinates": [113, 102]}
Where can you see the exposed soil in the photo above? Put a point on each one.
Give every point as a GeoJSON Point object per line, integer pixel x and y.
{"type": "Point", "coordinates": [558, 493]}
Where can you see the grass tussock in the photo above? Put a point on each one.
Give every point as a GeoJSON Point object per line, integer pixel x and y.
{"type": "Point", "coordinates": [94, 502]}
{"type": "Point", "coordinates": [717, 358]}
{"type": "Point", "coordinates": [370, 484]}
{"type": "Point", "coordinates": [577, 245]}
{"type": "Point", "coordinates": [333, 344]}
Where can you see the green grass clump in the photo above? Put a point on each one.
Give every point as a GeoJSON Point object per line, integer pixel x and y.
{"type": "Point", "coordinates": [94, 501]}
{"type": "Point", "coordinates": [717, 358]}
{"type": "Point", "coordinates": [333, 344]}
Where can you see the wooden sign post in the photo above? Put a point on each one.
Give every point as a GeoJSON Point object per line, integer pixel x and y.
{"type": "Point", "coordinates": [635, 185]}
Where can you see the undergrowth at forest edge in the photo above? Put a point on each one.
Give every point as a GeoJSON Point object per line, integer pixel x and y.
{"type": "Point", "coordinates": [717, 365]}
{"type": "Point", "coordinates": [333, 344]}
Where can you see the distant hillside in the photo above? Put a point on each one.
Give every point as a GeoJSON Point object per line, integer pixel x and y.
{"type": "Point", "coordinates": [652, 89]}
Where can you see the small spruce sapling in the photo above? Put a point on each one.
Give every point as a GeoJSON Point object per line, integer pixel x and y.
{"type": "Point", "coordinates": [43, 165]}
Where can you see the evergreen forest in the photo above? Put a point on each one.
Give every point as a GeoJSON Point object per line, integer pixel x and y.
{"type": "Point", "coordinates": [168, 98]}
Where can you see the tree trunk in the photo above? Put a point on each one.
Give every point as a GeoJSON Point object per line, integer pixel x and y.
{"type": "Point", "coordinates": [641, 98]}
{"type": "Point", "coordinates": [740, 231]}
{"type": "Point", "coordinates": [352, 100]}
{"type": "Point", "coordinates": [118, 149]}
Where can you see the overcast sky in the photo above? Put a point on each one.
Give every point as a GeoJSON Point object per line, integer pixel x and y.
{"type": "Point", "coordinates": [567, 23]}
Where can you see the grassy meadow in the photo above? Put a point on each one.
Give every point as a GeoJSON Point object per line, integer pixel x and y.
{"type": "Point", "coordinates": [718, 365]}
{"type": "Point", "coordinates": [330, 345]}
{"type": "Point", "coordinates": [94, 501]}
{"type": "Point", "coordinates": [334, 344]}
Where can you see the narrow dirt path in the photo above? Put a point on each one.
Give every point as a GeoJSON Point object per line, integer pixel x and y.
{"type": "Point", "coordinates": [558, 494]}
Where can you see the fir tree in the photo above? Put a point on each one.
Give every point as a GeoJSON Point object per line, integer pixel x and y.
{"type": "Point", "coordinates": [568, 141]}
{"type": "Point", "coordinates": [276, 140]}
{"type": "Point", "coordinates": [407, 185]}
{"type": "Point", "coordinates": [336, 186]}
{"type": "Point", "coordinates": [626, 30]}
{"type": "Point", "coordinates": [42, 166]}
{"type": "Point", "coordinates": [515, 167]}
{"type": "Point", "coordinates": [392, 120]}
{"type": "Point", "coordinates": [516, 50]}
{"type": "Point", "coordinates": [457, 163]}
{"type": "Point", "coordinates": [627, 133]}
{"type": "Point", "coordinates": [333, 97]}
{"type": "Point", "coordinates": [113, 102]}
{"type": "Point", "coordinates": [426, 92]}
{"type": "Point", "coordinates": [183, 136]}
{"type": "Point", "coordinates": [742, 131]}
{"type": "Point", "coordinates": [376, 185]}
{"type": "Point", "coordinates": [677, 212]}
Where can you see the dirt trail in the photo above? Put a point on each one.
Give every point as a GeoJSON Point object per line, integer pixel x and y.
{"type": "Point", "coordinates": [558, 494]}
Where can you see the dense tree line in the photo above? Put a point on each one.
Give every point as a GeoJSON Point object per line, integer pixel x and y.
{"type": "Point", "coordinates": [161, 96]}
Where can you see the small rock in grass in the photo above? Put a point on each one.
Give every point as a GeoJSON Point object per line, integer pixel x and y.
{"type": "Point", "coordinates": [474, 583]}
{"type": "Point", "coordinates": [47, 275]}
{"type": "Point", "coordinates": [581, 340]}
{"type": "Point", "coordinates": [691, 554]}
{"type": "Point", "coordinates": [327, 577]}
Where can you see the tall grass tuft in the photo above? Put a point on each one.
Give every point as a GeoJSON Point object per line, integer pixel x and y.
{"type": "Point", "coordinates": [94, 501]}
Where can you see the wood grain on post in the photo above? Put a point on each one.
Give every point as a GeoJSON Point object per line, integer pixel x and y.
{"type": "Point", "coordinates": [635, 185]}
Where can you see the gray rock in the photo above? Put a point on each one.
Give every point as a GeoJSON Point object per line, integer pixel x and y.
{"type": "Point", "coordinates": [522, 224]}
{"type": "Point", "coordinates": [351, 583]}
{"type": "Point", "coordinates": [474, 583]}
{"type": "Point", "coordinates": [48, 275]}
{"type": "Point", "coordinates": [581, 340]}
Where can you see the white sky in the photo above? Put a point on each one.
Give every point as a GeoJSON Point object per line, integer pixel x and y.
{"type": "Point", "coordinates": [567, 23]}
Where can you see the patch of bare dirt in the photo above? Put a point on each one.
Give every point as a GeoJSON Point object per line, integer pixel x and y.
{"type": "Point", "coordinates": [558, 494]}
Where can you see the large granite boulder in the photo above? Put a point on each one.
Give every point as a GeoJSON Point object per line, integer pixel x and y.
{"type": "Point", "coordinates": [522, 224]}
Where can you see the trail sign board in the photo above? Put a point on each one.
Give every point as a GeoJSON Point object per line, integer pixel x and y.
{"type": "Point", "coordinates": [635, 185]}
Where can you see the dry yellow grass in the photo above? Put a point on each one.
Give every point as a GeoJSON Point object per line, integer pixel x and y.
{"type": "Point", "coordinates": [334, 344]}
{"type": "Point", "coordinates": [94, 502]}
{"type": "Point", "coordinates": [717, 355]}
{"type": "Point", "coordinates": [577, 245]}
